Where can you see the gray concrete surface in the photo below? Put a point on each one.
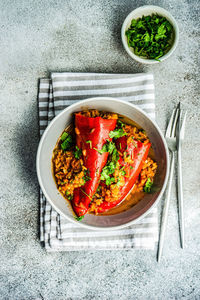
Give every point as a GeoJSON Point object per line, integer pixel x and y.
{"type": "Point", "coordinates": [40, 36]}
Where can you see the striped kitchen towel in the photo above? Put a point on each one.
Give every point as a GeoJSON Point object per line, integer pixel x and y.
{"type": "Point", "coordinates": [55, 94]}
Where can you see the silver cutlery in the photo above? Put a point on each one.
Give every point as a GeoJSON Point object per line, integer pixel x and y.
{"type": "Point", "coordinates": [174, 137]}
{"type": "Point", "coordinates": [180, 138]}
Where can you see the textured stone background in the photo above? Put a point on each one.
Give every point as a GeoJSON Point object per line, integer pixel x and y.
{"type": "Point", "coordinates": [40, 36]}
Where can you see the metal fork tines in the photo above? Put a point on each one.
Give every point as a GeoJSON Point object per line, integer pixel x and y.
{"type": "Point", "coordinates": [171, 138]}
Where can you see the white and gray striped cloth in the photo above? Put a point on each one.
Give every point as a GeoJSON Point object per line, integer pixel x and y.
{"type": "Point", "coordinates": [56, 93]}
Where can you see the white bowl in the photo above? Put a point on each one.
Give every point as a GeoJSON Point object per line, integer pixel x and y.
{"type": "Point", "coordinates": [146, 11]}
{"type": "Point", "coordinates": [48, 142]}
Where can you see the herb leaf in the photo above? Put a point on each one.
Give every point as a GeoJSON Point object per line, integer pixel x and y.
{"type": "Point", "coordinates": [77, 153]}
{"type": "Point", "coordinates": [69, 196]}
{"type": "Point", "coordinates": [86, 176]}
{"type": "Point", "coordinates": [117, 133]}
{"type": "Point", "coordinates": [150, 36]}
{"type": "Point", "coordinates": [79, 218]}
{"type": "Point", "coordinates": [148, 186]}
{"type": "Point", "coordinates": [110, 168]}
{"type": "Point", "coordinates": [108, 147]}
{"type": "Point", "coordinates": [120, 123]}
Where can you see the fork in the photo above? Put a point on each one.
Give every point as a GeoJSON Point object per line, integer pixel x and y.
{"type": "Point", "coordinates": [170, 137]}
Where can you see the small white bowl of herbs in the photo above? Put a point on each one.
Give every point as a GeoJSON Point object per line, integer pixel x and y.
{"type": "Point", "coordinates": [150, 34]}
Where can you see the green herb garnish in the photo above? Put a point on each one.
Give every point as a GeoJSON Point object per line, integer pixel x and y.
{"type": "Point", "coordinates": [117, 133]}
{"type": "Point", "coordinates": [86, 176]}
{"type": "Point", "coordinates": [108, 147]}
{"type": "Point", "coordinates": [110, 168]}
{"type": "Point", "coordinates": [67, 141]}
{"type": "Point", "coordinates": [107, 171]}
{"type": "Point", "coordinates": [86, 194]}
{"type": "Point", "coordinates": [150, 36]}
{"type": "Point", "coordinates": [148, 186]}
{"type": "Point", "coordinates": [79, 218]}
{"type": "Point", "coordinates": [69, 197]}
{"type": "Point", "coordinates": [118, 182]}
{"type": "Point", "coordinates": [99, 188]}
{"type": "Point", "coordinates": [89, 142]}
{"type": "Point", "coordinates": [77, 153]}
{"type": "Point", "coordinates": [115, 156]}
{"type": "Point", "coordinates": [64, 136]}
{"type": "Point", "coordinates": [120, 123]}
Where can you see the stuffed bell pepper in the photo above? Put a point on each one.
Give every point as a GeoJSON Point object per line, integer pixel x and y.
{"type": "Point", "coordinates": [99, 159]}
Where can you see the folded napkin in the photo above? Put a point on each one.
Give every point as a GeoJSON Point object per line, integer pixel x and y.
{"type": "Point", "coordinates": [55, 94]}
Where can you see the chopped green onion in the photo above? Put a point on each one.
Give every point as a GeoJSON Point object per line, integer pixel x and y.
{"type": "Point", "coordinates": [64, 136]}
{"type": "Point", "coordinates": [67, 143]}
{"type": "Point", "coordinates": [79, 218]}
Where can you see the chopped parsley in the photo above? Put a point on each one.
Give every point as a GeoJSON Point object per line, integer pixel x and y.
{"type": "Point", "coordinates": [123, 173]}
{"type": "Point", "coordinates": [117, 133]}
{"type": "Point", "coordinates": [67, 141]}
{"type": "Point", "coordinates": [99, 188]}
{"type": "Point", "coordinates": [108, 147]}
{"type": "Point", "coordinates": [86, 176]}
{"type": "Point", "coordinates": [120, 123]}
{"type": "Point", "coordinates": [107, 171]}
{"type": "Point", "coordinates": [148, 186]}
{"type": "Point", "coordinates": [89, 142]}
{"type": "Point", "coordinates": [110, 167]}
{"type": "Point", "coordinates": [69, 197]}
{"type": "Point", "coordinates": [77, 153]}
{"type": "Point", "coordinates": [150, 36]}
{"type": "Point", "coordinates": [115, 156]}
{"type": "Point", "coordinates": [79, 218]}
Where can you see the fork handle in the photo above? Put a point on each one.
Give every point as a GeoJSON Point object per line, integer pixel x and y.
{"type": "Point", "coordinates": [165, 210]}
{"type": "Point", "coordinates": [180, 199]}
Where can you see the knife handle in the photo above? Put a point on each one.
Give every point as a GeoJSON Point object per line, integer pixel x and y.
{"type": "Point", "coordinates": [180, 201]}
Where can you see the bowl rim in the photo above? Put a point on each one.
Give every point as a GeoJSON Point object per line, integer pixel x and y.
{"type": "Point", "coordinates": [83, 102]}
{"type": "Point", "coordinates": [160, 11]}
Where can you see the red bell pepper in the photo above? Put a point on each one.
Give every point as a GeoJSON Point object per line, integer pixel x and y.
{"type": "Point", "coordinates": [91, 135]}
{"type": "Point", "coordinates": [138, 153]}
